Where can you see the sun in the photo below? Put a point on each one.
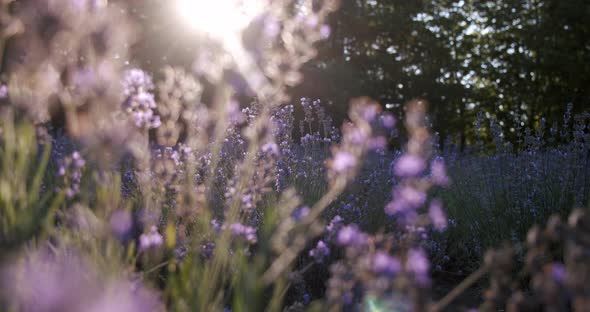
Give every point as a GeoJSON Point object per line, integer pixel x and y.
{"type": "Point", "coordinates": [219, 19]}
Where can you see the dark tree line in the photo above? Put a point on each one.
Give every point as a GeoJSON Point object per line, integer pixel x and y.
{"type": "Point", "coordinates": [514, 60]}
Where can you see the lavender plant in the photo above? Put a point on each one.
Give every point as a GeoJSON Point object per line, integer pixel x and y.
{"type": "Point", "coordinates": [165, 191]}
{"type": "Point", "coordinates": [513, 188]}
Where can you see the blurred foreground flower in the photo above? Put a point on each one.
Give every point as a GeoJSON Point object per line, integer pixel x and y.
{"type": "Point", "coordinates": [45, 281]}
{"type": "Point", "coordinates": [409, 166]}
{"type": "Point", "coordinates": [3, 91]}
{"type": "Point", "coordinates": [356, 141]}
{"type": "Point", "coordinates": [418, 264]}
{"type": "Point", "coordinates": [383, 263]}
{"type": "Point", "coordinates": [411, 193]}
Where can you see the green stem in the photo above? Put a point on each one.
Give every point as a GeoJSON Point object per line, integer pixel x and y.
{"type": "Point", "coordinates": [287, 257]}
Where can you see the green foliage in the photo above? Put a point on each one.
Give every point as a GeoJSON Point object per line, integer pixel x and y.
{"type": "Point", "coordinates": [27, 203]}
{"type": "Point", "coordinates": [497, 199]}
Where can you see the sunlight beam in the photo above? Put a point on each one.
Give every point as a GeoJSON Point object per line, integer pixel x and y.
{"type": "Point", "coordinates": [219, 18]}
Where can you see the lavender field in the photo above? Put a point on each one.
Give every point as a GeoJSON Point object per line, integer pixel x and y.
{"type": "Point", "coordinates": [213, 187]}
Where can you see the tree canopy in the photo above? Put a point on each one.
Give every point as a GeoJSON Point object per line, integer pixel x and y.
{"type": "Point", "coordinates": [513, 60]}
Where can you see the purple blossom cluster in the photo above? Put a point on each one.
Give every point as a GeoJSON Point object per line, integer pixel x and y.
{"type": "Point", "coordinates": [320, 252]}
{"type": "Point", "coordinates": [70, 169]}
{"type": "Point", "coordinates": [65, 281]}
{"type": "Point", "coordinates": [248, 233]}
{"type": "Point", "coordinates": [151, 239]}
{"type": "Point", "coordinates": [410, 194]}
{"type": "Point", "coordinates": [372, 267]}
{"type": "Point", "coordinates": [168, 163]}
{"type": "Point", "coordinates": [383, 263]}
{"type": "Point", "coordinates": [355, 142]}
{"type": "Point", "coordinates": [351, 236]}
{"type": "Point", "coordinates": [3, 91]}
{"type": "Point", "coordinates": [238, 230]}
{"type": "Point", "coordinates": [283, 120]}
{"type": "Point", "coordinates": [140, 103]}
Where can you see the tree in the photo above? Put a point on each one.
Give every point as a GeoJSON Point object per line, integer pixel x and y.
{"type": "Point", "coordinates": [515, 60]}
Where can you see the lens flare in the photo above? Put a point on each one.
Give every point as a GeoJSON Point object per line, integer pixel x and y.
{"type": "Point", "coordinates": [219, 18]}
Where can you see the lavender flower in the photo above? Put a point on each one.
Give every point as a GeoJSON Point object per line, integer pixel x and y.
{"type": "Point", "coordinates": [343, 161]}
{"type": "Point", "coordinates": [65, 281]}
{"type": "Point", "coordinates": [216, 225]}
{"type": "Point", "coordinates": [350, 235]}
{"type": "Point", "coordinates": [248, 233]}
{"type": "Point", "coordinates": [136, 81]}
{"type": "Point", "coordinates": [70, 169]}
{"type": "Point", "coordinates": [325, 31]}
{"type": "Point", "coordinates": [356, 141]}
{"type": "Point", "coordinates": [383, 263]}
{"type": "Point", "coordinates": [140, 107]}
{"type": "Point", "coordinates": [320, 252]}
{"type": "Point", "coordinates": [126, 297]}
{"type": "Point", "coordinates": [270, 148]}
{"type": "Point", "coordinates": [437, 215]}
{"type": "Point", "coordinates": [140, 103]}
{"type": "Point", "coordinates": [405, 199]}
{"type": "Point", "coordinates": [3, 91]}
{"type": "Point", "coordinates": [409, 166]}
{"type": "Point", "coordinates": [388, 121]}
{"type": "Point", "coordinates": [418, 264]}
{"type": "Point", "coordinates": [558, 272]}
{"type": "Point", "coordinates": [334, 226]}
{"type": "Point", "coordinates": [150, 240]}
{"type": "Point", "coordinates": [439, 173]}
{"type": "Point", "coordinates": [207, 249]}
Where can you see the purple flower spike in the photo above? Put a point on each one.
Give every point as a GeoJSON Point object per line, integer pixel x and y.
{"type": "Point", "coordinates": [320, 252]}
{"type": "Point", "coordinates": [244, 231]}
{"type": "Point", "coordinates": [558, 272]}
{"type": "Point", "coordinates": [383, 263]}
{"type": "Point", "coordinates": [350, 235]}
{"type": "Point", "coordinates": [334, 226]}
{"type": "Point", "coordinates": [343, 161]}
{"type": "Point", "coordinates": [439, 173]}
{"type": "Point", "coordinates": [50, 281]}
{"type": "Point", "coordinates": [406, 198]}
{"type": "Point", "coordinates": [271, 149]}
{"type": "Point", "coordinates": [217, 226]}
{"type": "Point", "coordinates": [153, 239]}
{"type": "Point", "coordinates": [409, 166]}
{"type": "Point", "coordinates": [140, 102]}
{"type": "Point", "coordinates": [418, 264]}
{"type": "Point", "coordinates": [388, 121]}
{"type": "Point", "coordinates": [70, 169]}
{"type": "Point", "coordinates": [325, 31]}
{"type": "Point", "coordinates": [3, 92]}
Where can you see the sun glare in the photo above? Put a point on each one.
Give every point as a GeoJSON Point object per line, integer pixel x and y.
{"type": "Point", "coordinates": [219, 18]}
